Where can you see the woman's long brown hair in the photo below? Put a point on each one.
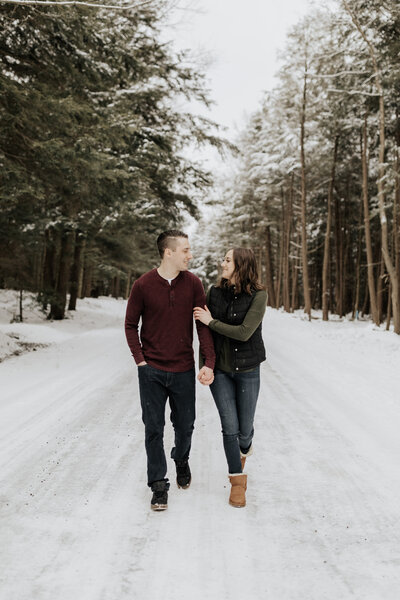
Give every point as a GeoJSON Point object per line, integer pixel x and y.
{"type": "Point", "coordinates": [245, 274]}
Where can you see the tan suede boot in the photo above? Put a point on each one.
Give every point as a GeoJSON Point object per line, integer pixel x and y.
{"type": "Point", "coordinates": [237, 497]}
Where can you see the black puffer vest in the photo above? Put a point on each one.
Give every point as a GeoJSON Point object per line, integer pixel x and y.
{"type": "Point", "coordinates": [229, 307]}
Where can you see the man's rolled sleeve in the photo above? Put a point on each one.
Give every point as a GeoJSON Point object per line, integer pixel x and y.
{"type": "Point", "coordinates": [132, 318]}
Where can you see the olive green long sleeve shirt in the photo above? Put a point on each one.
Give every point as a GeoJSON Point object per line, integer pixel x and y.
{"type": "Point", "coordinates": [242, 332]}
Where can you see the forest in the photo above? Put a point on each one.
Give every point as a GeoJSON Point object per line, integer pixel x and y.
{"type": "Point", "coordinates": [316, 189]}
{"type": "Point", "coordinates": [93, 163]}
{"type": "Point", "coordinates": [92, 133]}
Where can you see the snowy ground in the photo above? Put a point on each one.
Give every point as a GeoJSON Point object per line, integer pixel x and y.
{"type": "Point", "coordinates": [322, 520]}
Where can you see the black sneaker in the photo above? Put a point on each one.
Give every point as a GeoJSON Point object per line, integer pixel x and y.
{"type": "Point", "coordinates": [159, 500]}
{"type": "Point", "coordinates": [183, 474]}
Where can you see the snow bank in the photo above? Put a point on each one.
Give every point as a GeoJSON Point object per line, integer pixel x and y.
{"type": "Point", "coordinates": [36, 331]}
{"type": "Point", "coordinates": [354, 341]}
{"type": "Point", "coordinates": [8, 345]}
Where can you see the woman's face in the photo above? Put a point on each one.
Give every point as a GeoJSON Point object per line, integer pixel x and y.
{"type": "Point", "coordinates": [228, 265]}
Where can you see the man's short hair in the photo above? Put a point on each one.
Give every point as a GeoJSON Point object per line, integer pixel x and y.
{"type": "Point", "coordinates": [168, 239]}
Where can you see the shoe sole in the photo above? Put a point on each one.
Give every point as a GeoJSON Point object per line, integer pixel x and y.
{"type": "Point", "coordinates": [237, 505]}
{"type": "Point", "coordinates": [158, 507]}
{"type": "Point", "coordinates": [183, 487]}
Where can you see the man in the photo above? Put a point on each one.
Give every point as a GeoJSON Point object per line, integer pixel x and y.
{"type": "Point", "coordinates": [164, 299]}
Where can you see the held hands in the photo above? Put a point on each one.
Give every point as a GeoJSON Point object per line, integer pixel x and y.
{"type": "Point", "coordinates": [202, 314]}
{"type": "Point", "coordinates": [206, 376]}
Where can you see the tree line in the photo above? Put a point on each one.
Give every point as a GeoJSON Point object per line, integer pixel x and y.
{"type": "Point", "coordinates": [92, 133]}
{"type": "Point", "coordinates": [317, 191]}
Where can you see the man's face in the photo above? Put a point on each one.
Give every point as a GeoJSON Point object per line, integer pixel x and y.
{"type": "Point", "coordinates": [181, 256]}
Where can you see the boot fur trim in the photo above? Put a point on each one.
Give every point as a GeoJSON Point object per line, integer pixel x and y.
{"type": "Point", "coordinates": [248, 453]}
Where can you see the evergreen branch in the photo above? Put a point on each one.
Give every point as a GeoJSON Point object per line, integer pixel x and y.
{"type": "Point", "coordinates": [316, 76]}
{"type": "Point", "coordinates": [75, 3]}
{"type": "Point", "coordinates": [352, 92]}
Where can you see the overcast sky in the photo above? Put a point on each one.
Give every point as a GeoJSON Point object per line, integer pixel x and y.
{"type": "Point", "coordinates": [242, 38]}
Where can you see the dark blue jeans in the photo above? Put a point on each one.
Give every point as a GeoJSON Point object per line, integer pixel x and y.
{"type": "Point", "coordinates": [156, 387]}
{"type": "Point", "coordinates": [235, 395]}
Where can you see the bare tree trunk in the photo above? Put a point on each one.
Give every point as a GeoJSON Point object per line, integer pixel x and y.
{"type": "Point", "coordinates": [295, 276]}
{"type": "Point", "coordinates": [396, 210]}
{"type": "Point", "coordinates": [87, 275]}
{"type": "Point", "coordinates": [347, 249]}
{"type": "Point", "coordinates": [116, 284]}
{"type": "Point", "coordinates": [326, 261]}
{"type": "Point", "coordinates": [344, 274]}
{"type": "Point", "coordinates": [358, 264]}
{"type": "Point", "coordinates": [60, 296]}
{"type": "Point", "coordinates": [81, 268]}
{"type": "Point", "coordinates": [50, 264]}
{"type": "Point", "coordinates": [368, 241]}
{"type": "Point", "coordinates": [347, 255]}
{"type": "Point", "coordinates": [382, 211]}
{"type": "Point", "coordinates": [304, 252]}
{"type": "Point", "coordinates": [21, 315]}
{"type": "Point", "coordinates": [390, 266]}
{"type": "Point", "coordinates": [389, 309]}
{"type": "Point", "coordinates": [88, 283]}
{"type": "Point", "coordinates": [269, 275]}
{"type": "Point", "coordinates": [366, 299]}
{"type": "Point", "coordinates": [260, 261]}
{"type": "Point", "coordinates": [39, 281]}
{"type": "Point", "coordinates": [286, 264]}
{"type": "Point", "coordinates": [381, 176]}
{"type": "Point", "coordinates": [339, 258]}
{"type": "Point", "coordinates": [280, 260]}
{"type": "Point", "coordinates": [128, 285]}
{"type": "Point", "coordinates": [75, 270]}
{"type": "Point", "coordinates": [38, 263]}
{"type": "Point", "coordinates": [315, 291]}
{"type": "Point", "coordinates": [379, 288]}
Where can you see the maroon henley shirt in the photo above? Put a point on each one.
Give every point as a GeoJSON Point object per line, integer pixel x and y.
{"type": "Point", "coordinates": [166, 334]}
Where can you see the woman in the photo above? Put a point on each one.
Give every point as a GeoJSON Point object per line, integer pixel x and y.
{"type": "Point", "coordinates": [236, 307]}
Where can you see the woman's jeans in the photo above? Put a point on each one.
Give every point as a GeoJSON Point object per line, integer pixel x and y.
{"type": "Point", "coordinates": [235, 395]}
{"type": "Point", "coordinates": [156, 387]}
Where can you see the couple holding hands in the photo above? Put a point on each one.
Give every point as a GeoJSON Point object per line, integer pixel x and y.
{"type": "Point", "coordinates": [228, 323]}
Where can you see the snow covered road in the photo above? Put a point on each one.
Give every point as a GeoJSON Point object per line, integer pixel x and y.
{"type": "Point", "coordinates": [322, 520]}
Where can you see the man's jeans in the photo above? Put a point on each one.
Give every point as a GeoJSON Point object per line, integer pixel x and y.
{"type": "Point", "coordinates": [155, 387]}
{"type": "Point", "coordinates": [235, 395]}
